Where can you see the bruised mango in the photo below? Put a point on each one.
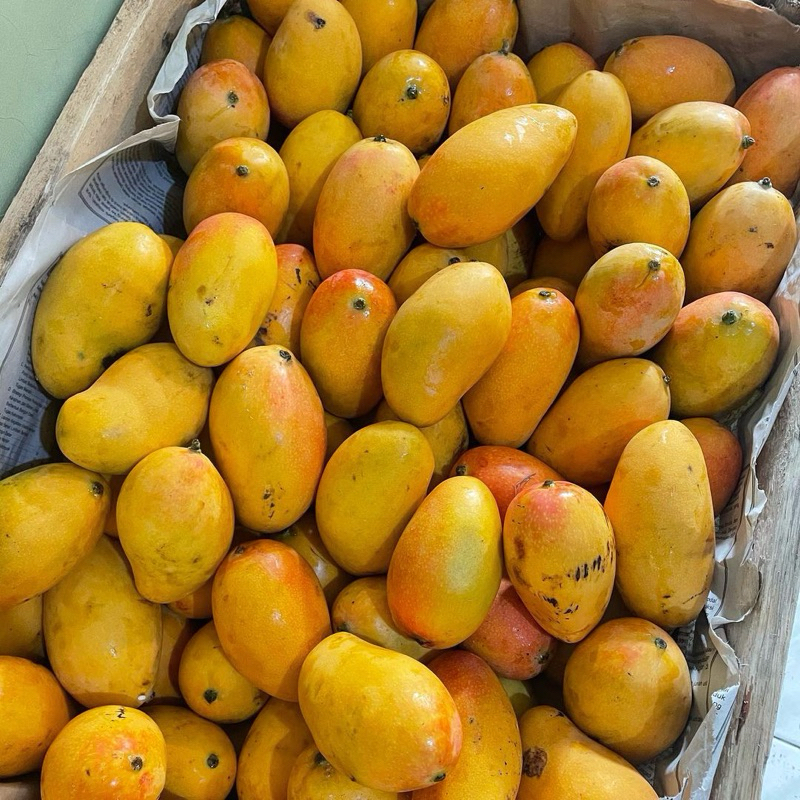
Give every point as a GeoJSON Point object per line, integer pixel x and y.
{"type": "Point", "coordinates": [721, 348]}
{"type": "Point", "coordinates": [368, 492]}
{"type": "Point", "coordinates": [314, 61]}
{"type": "Point", "coordinates": [554, 67]}
{"type": "Point", "coordinates": [621, 397]}
{"type": "Point", "coordinates": [239, 38]}
{"type": "Point", "coordinates": [560, 556]}
{"type": "Point", "coordinates": [448, 557]}
{"type": "Point", "coordinates": [463, 198]}
{"type": "Point", "coordinates": [507, 403]}
{"type": "Point", "coordinates": [569, 261]}
{"type": "Point", "coordinates": [268, 432]}
{"type": "Point", "coordinates": [21, 630]}
{"type": "Point", "coordinates": [380, 717]}
{"type": "Point", "coordinates": [341, 339]}
{"type": "Point", "coordinates": [443, 339]}
{"type": "Point", "coordinates": [419, 264]}
{"type": "Point", "coordinates": [660, 505]}
{"type": "Point", "coordinates": [384, 27]}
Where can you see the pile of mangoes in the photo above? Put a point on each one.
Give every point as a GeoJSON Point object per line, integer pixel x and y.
{"type": "Point", "coordinates": [326, 509]}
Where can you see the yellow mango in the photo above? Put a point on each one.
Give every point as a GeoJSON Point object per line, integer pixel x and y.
{"type": "Point", "coordinates": [443, 339]}
{"type": "Point", "coordinates": [662, 71]}
{"type": "Point", "coordinates": [519, 694]}
{"type": "Point", "coordinates": [221, 100]}
{"type": "Point", "coordinates": [105, 296]}
{"type": "Point", "coordinates": [520, 245]}
{"type": "Point", "coordinates": [620, 397]}
{"type": "Point", "coordinates": [559, 760]}
{"type": "Point", "coordinates": [276, 738]}
{"type": "Point", "coordinates": [197, 604]}
{"type": "Point", "coordinates": [455, 33]}
{"type": "Point", "coordinates": [21, 630]}
{"type": "Point", "coordinates": [338, 430]}
{"type": "Point", "coordinates": [490, 763]}
{"type": "Point", "coordinates": [554, 67]}
{"type": "Point", "coordinates": [102, 637]}
{"type": "Point", "coordinates": [268, 434]}
{"type": "Point", "coordinates": [239, 38]}
{"type": "Point", "coordinates": [383, 27]}
{"type": "Point", "coordinates": [626, 672]}
{"type": "Point", "coordinates": [569, 261]}
{"type": "Point", "coordinates": [176, 631]}
{"type": "Point", "coordinates": [269, 13]}
{"type": "Point", "coordinates": [368, 492]}
{"type": "Point", "coordinates": [741, 241]}
{"type": "Point", "coordinates": [404, 97]}
{"type": "Point", "coordinates": [446, 568]}
{"type": "Point", "coordinates": [703, 142]}
{"type": "Point", "coordinates": [51, 517]}
{"type": "Point", "coordinates": [314, 61]}
{"type": "Point", "coordinates": [639, 199]}
{"type": "Point", "coordinates": [309, 153]}
{"type": "Point", "coordinates": [419, 264]}
{"type": "Point", "coordinates": [380, 717]}
{"type": "Point", "coordinates": [560, 556]}
{"type": "Point", "coordinates": [151, 398]}
{"type": "Point", "coordinates": [464, 197]}
{"type": "Point", "coordinates": [508, 402]}
{"type": "Point", "coordinates": [175, 519]}
{"type": "Point", "coordinates": [214, 313]}
{"type": "Point", "coordinates": [628, 301]}
{"type": "Point", "coordinates": [361, 220]}
{"type": "Point", "coordinates": [363, 610]}
{"type": "Point", "coordinates": [341, 339]}
{"type": "Point", "coordinates": [721, 348]}
{"type": "Point", "coordinates": [660, 505]}
{"type": "Point", "coordinates": [600, 104]}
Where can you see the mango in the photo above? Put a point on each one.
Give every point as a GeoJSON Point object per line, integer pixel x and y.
{"type": "Point", "coordinates": [628, 301]}
{"type": "Point", "coordinates": [110, 746]}
{"type": "Point", "coordinates": [448, 557]}
{"type": "Point", "coordinates": [309, 153]}
{"type": "Point", "coordinates": [417, 265]}
{"type": "Point", "coordinates": [491, 82]}
{"type": "Point", "coordinates": [268, 434]}
{"type": "Point", "coordinates": [102, 637]}
{"type": "Point", "coordinates": [221, 100]}
{"type": "Point", "coordinates": [627, 671]}
{"type": "Point", "coordinates": [368, 492]}
{"type": "Point", "coordinates": [175, 518]}
{"type": "Point", "coordinates": [269, 13]}
{"type": "Point", "coordinates": [197, 604]}
{"type": "Point", "coordinates": [741, 241]}
{"type": "Point", "coordinates": [639, 199]}
{"type": "Point", "coordinates": [362, 609]}
{"type": "Point", "coordinates": [508, 402]}
{"type": "Point", "coordinates": [723, 456]}
{"type": "Point", "coordinates": [176, 630]}
{"type": "Point", "coordinates": [504, 470]}
{"type": "Point", "coordinates": [383, 27]}
{"type": "Point", "coordinates": [490, 763]}
{"type": "Point", "coordinates": [558, 284]}
{"type": "Point", "coordinates": [560, 557]}
{"type": "Point", "coordinates": [554, 67]}
{"type": "Point", "coordinates": [33, 709]}
{"type": "Point", "coordinates": [361, 220]}
{"type": "Point", "coordinates": [621, 397]}
{"type": "Point", "coordinates": [462, 197]}
{"type": "Point", "coordinates": [703, 142]}
{"type": "Point", "coordinates": [211, 686]}
{"type": "Point", "coordinates": [772, 106]}
{"type": "Point", "coordinates": [240, 174]}
{"type": "Point", "coordinates": [297, 281]}
{"type": "Point", "coordinates": [448, 438]}
{"type": "Point", "coordinates": [443, 339]}
{"type": "Point", "coordinates": [721, 348]}
{"type": "Point", "coordinates": [105, 296]}
{"type": "Point", "coordinates": [267, 586]}
{"type": "Point", "coordinates": [114, 484]}
{"type": "Point", "coordinates": [558, 759]}
{"type": "Point", "coordinates": [509, 639]}
{"type": "Point", "coordinates": [51, 516]}
{"type": "Point", "coordinates": [569, 261]}
{"type": "Point", "coordinates": [314, 61]}
{"type": "Point", "coordinates": [303, 536]}
{"type": "Point", "coordinates": [382, 718]}
{"type": "Point", "coordinates": [520, 245]}
{"type": "Point", "coordinates": [338, 430]}
{"type": "Point", "coordinates": [276, 738]}
{"type": "Point", "coordinates": [239, 38]}
{"type": "Point", "coordinates": [201, 761]}
{"type": "Point", "coordinates": [455, 33]}
{"type": "Point", "coordinates": [405, 96]}
{"type": "Point", "coordinates": [660, 505]}
{"type": "Point", "coordinates": [600, 105]}
{"type": "Point", "coordinates": [341, 339]}
{"type": "Point", "coordinates": [21, 630]}
{"type": "Point", "coordinates": [520, 695]}
{"type": "Point", "coordinates": [662, 71]}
